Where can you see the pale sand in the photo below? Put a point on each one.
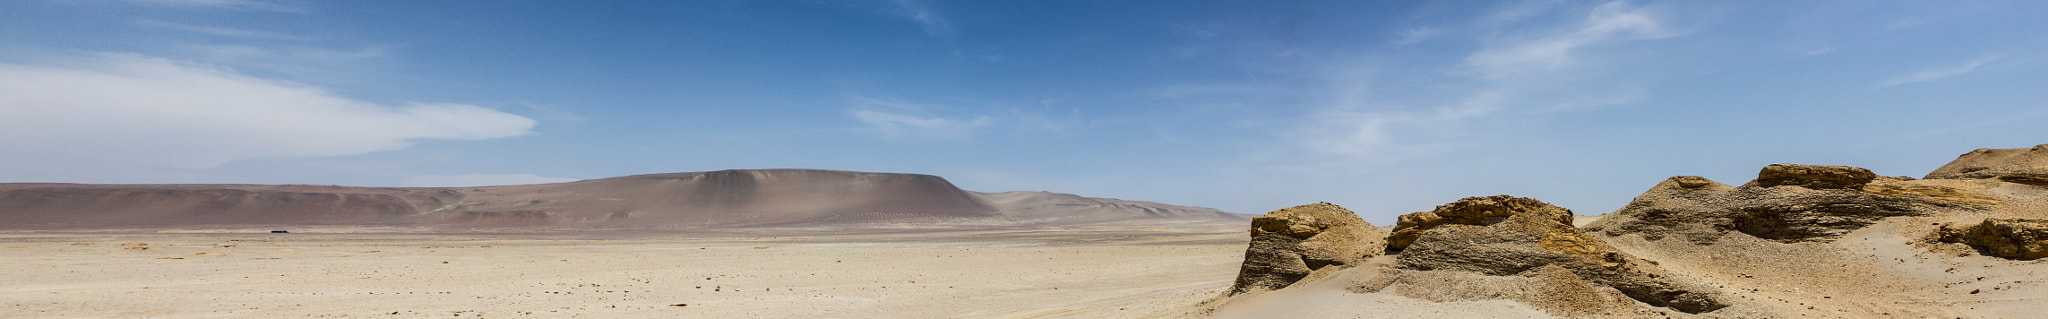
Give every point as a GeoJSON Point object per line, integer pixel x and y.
{"type": "Point", "coordinates": [1098, 273]}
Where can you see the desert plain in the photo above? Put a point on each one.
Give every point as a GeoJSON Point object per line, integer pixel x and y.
{"type": "Point", "coordinates": [358, 272]}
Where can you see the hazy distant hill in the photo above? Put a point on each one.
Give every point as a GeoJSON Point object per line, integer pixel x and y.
{"type": "Point", "coordinates": [729, 198]}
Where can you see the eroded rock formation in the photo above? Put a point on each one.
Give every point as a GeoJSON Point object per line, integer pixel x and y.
{"type": "Point", "coordinates": [2023, 239]}
{"type": "Point", "coordinates": [1303, 243]}
{"type": "Point", "coordinates": [1786, 203]}
{"type": "Point", "coordinates": [1814, 176]}
{"type": "Point", "coordinates": [1510, 236]}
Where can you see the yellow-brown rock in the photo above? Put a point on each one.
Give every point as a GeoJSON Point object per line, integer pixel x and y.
{"type": "Point", "coordinates": [1472, 211]}
{"type": "Point", "coordinates": [1814, 176]}
{"type": "Point", "coordinates": [2023, 239]}
{"type": "Point", "coordinates": [1303, 243]}
{"type": "Point", "coordinates": [1509, 236]}
{"type": "Point", "coordinates": [1786, 203]}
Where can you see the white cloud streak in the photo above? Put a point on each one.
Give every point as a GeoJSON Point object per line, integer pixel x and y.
{"type": "Point", "coordinates": [128, 111]}
{"type": "Point", "coordinates": [920, 12]}
{"type": "Point", "coordinates": [1937, 74]}
{"type": "Point", "coordinates": [218, 31]}
{"type": "Point", "coordinates": [900, 121]}
{"type": "Point", "coordinates": [260, 5]}
{"type": "Point", "coordinates": [1607, 23]}
{"type": "Point", "coordinates": [1415, 35]}
{"type": "Point", "coordinates": [1525, 71]}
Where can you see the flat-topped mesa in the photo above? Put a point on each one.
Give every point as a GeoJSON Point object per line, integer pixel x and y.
{"type": "Point", "coordinates": [725, 198]}
{"type": "Point", "coordinates": [86, 205]}
{"type": "Point", "coordinates": [672, 201]}
{"type": "Point", "coordinates": [1786, 203]}
{"type": "Point", "coordinates": [1303, 243]}
{"type": "Point", "coordinates": [2014, 165]}
{"type": "Point", "coordinates": [1512, 236]}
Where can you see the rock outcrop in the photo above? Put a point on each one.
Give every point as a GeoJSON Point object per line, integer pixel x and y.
{"type": "Point", "coordinates": [2015, 165]}
{"type": "Point", "coordinates": [2023, 239]}
{"type": "Point", "coordinates": [1472, 211]}
{"type": "Point", "coordinates": [1303, 243]}
{"type": "Point", "coordinates": [1814, 176]}
{"type": "Point", "coordinates": [1786, 203]}
{"type": "Point", "coordinates": [1510, 236]}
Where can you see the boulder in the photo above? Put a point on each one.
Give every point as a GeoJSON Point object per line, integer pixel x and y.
{"type": "Point", "coordinates": [2015, 165]}
{"type": "Point", "coordinates": [1786, 203]}
{"type": "Point", "coordinates": [2023, 239]}
{"type": "Point", "coordinates": [1510, 236]}
{"type": "Point", "coordinates": [1303, 243]}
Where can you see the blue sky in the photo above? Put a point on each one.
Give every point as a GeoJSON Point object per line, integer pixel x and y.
{"type": "Point", "coordinates": [1383, 107]}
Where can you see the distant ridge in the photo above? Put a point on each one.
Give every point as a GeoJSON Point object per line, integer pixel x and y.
{"type": "Point", "coordinates": [694, 200]}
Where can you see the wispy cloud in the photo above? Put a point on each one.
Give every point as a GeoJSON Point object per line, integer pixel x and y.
{"type": "Point", "coordinates": [298, 62]}
{"type": "Point", "coordinates": [1607, 23]}
{"type": "Point", "coordinates": [1416, 34]}
{"type": "Point", "coordinates": [1048, 119]}
{"type": "Point", "coordinates": [1937, 74]}
{"type": "Point", "coordinates": [1181, 91]}
{"type": "Point", "coordinates": [231, 52]}
{"type": "Point", "coordinates": [1536, 67]}
{"type": "Point", "coordinates": [218, 31]}
{"type": "Point", "coordinates": [904, 121]}
{"type": "Point", "coordinates": [1908, 23]}
{"type": "Point", "coordinates": [920, 12]}
{"type": "Point", "coordinates": [258, 5]}
{"type": "Point", "coordinates": [112, 111]}
{"type": "Point", "coordinates": [480, 180]}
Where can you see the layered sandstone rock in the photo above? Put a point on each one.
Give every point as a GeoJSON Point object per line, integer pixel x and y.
{"type": "Point", "coordinates": [1814, 176]}
{"type": "Point", "coordinates": [1472, 211]}
{"type": "Point", "coordinates": [1303, 243]}
{"type": "Point", "coordinates": [1786, 203]}
{"type": "Point", "coordinates": [1512, 236]}
{"type": "Point", "coordinates": [2023, 239]}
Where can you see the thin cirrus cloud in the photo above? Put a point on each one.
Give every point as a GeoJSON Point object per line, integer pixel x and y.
{"type": "Point", "coordinates": [904, 121]}
{"type": "Point", "coordinates": [140, 112]}
{"type": "Point", "coordinates": [1415, 35]}
{"type": "Point", "coordinates": [259, 5]}
{"type": "Point", "coordinates": [218, 31]}
{"type": "Point", "coordinates": [1608, 23]}
{"type": "Point", "coordinates": [1937, 74]}
{"type": "Point", "coordinates": [918, 11]}
{"type": "Point", "coordinates": [1514, 72]}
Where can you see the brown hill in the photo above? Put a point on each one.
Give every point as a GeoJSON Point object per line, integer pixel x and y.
{"type": "Point", "coordinates": [70, 205]}
{"type": "Point", "coordinates": [729, 198]}
{"type": "Point", "coordinates": [2016, 165]}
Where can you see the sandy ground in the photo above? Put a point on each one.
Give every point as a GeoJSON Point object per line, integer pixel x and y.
{"type": "Point", "coordinates": [1091, 273]}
